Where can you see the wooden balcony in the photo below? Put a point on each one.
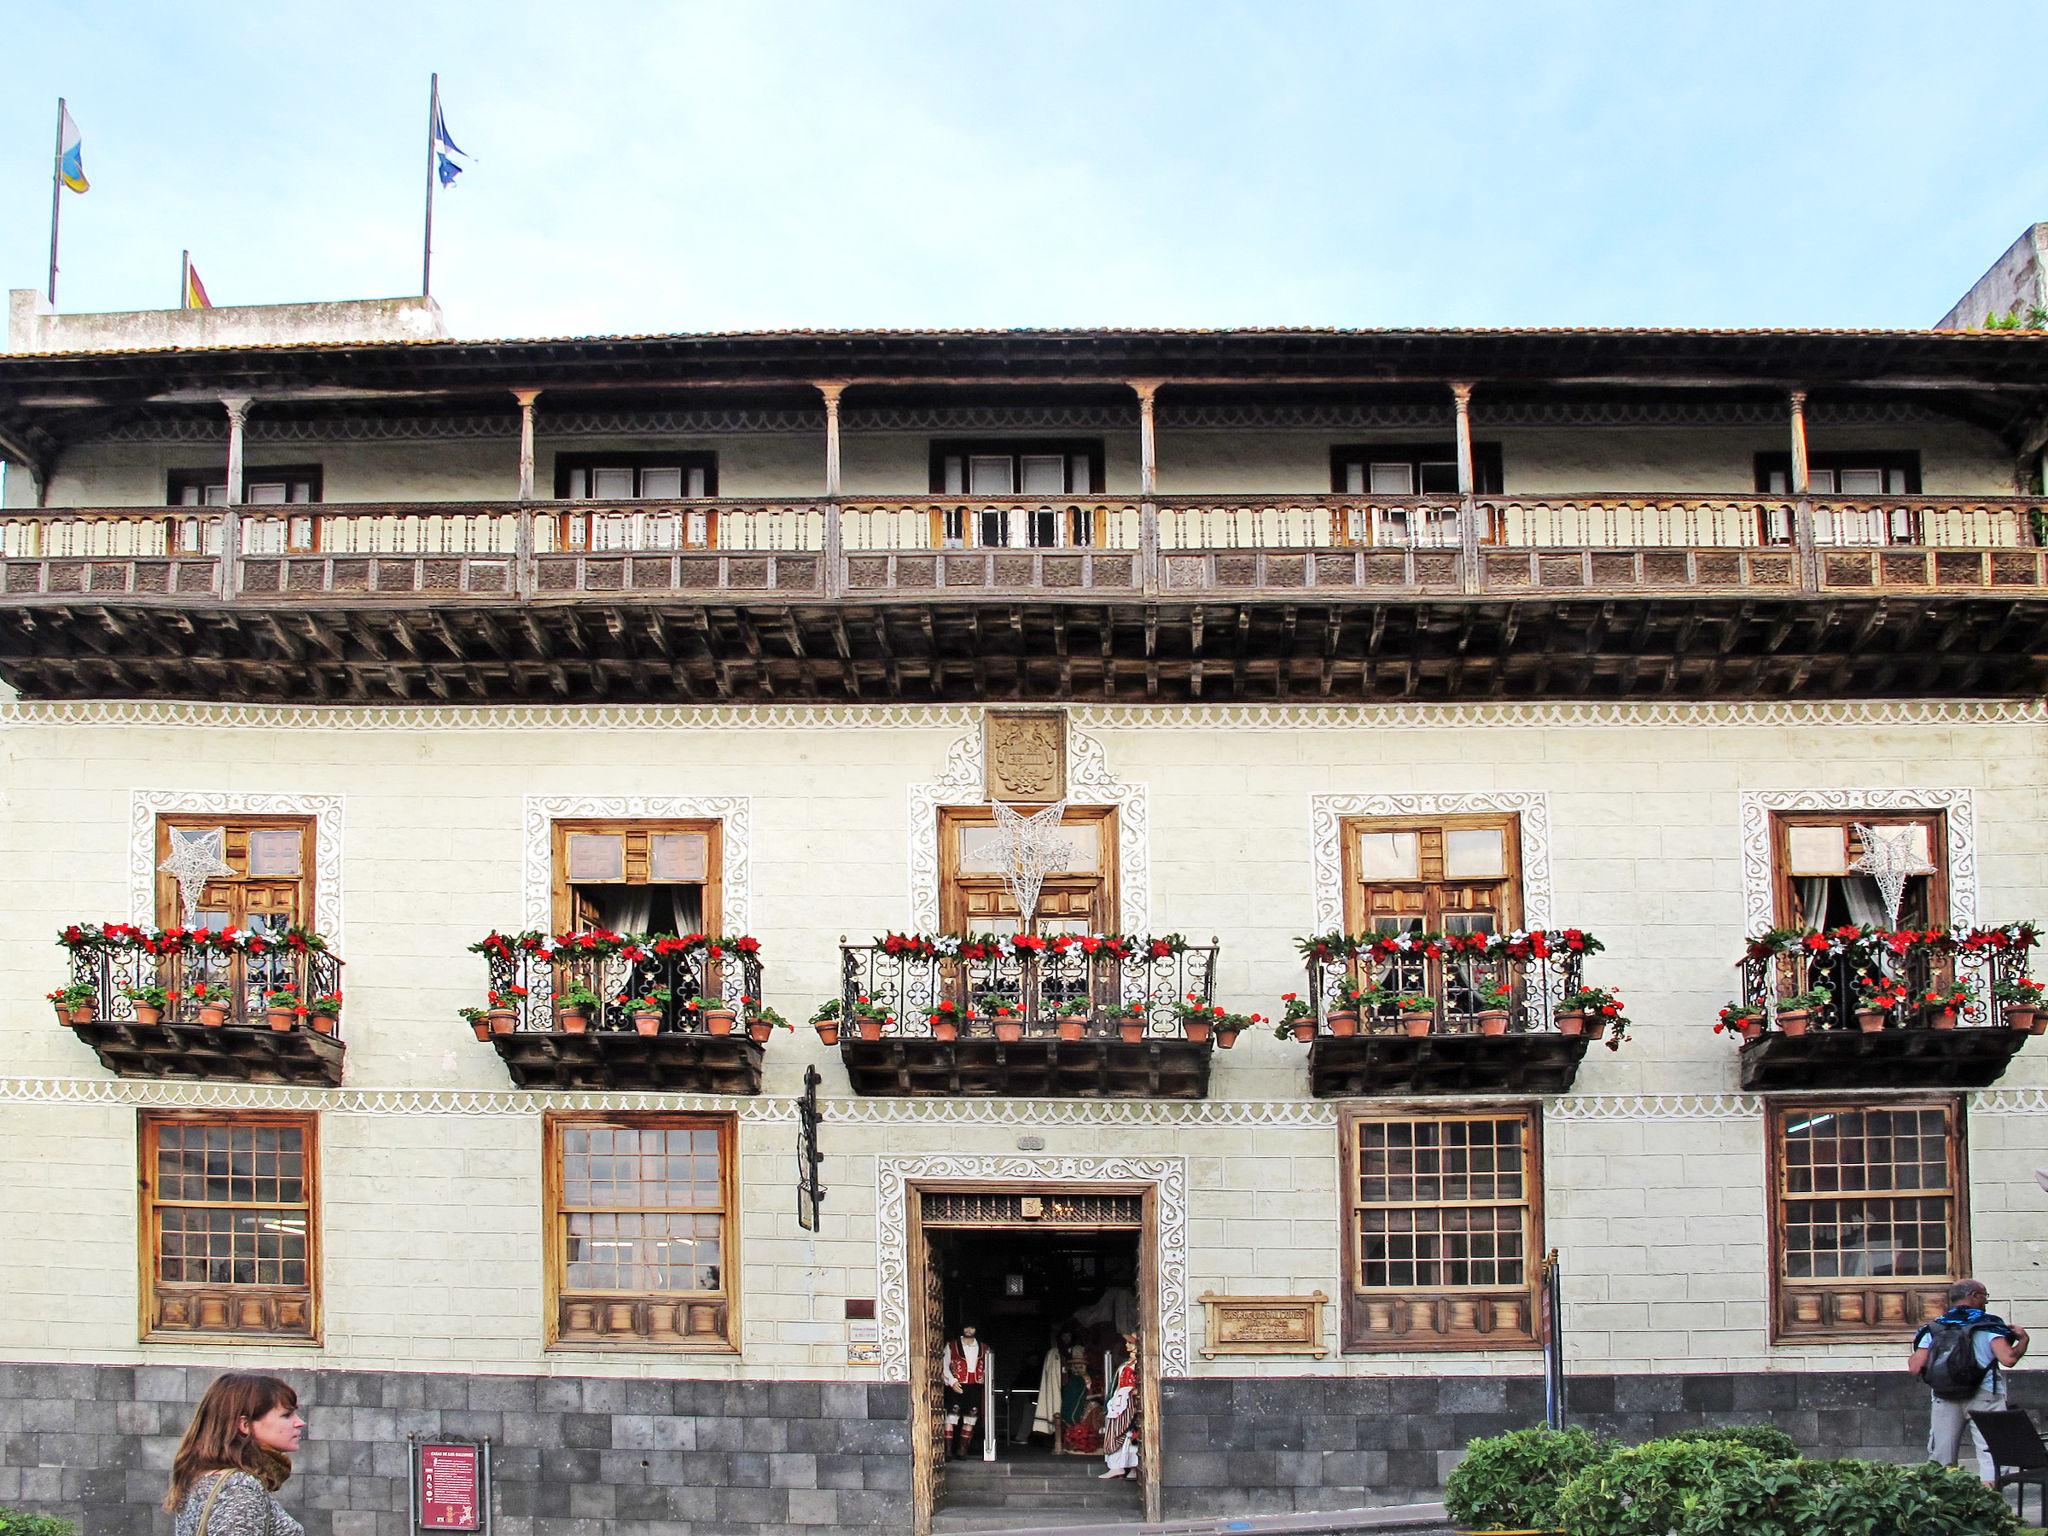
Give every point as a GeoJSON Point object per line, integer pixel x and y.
{"type": "Point", "coordinates": [1370, 1053]}
{"type": "Point", "coordinates": [240, 1040]}
{"type": "Point", "coordinates": [1244, 598]}
{"type": "Point", "coordinates": [608, 1050]}
{"type": "Point", "coordinates": [942, 1038]}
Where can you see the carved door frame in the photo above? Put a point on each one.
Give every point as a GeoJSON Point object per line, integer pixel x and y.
{"type": "Point", "coordinates": [923, 1485]}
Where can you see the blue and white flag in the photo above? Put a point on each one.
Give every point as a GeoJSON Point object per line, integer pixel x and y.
{"type": "Point", "coordinates": [70, 152]}
{"type": "Point", "coordinates": [444, 147]}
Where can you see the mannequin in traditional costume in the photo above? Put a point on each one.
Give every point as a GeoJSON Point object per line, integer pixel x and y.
{"type": "Point", "coordinates": [965, 1370]}
{"type": "Point", "coordinates": [1120, 1429]}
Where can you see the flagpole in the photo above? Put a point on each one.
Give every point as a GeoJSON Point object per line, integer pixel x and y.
{"type": "Point", "coordinates": [184, 279]}
{"type": "Point", "coordinates": [56, 197]}
{"type": "Point", "coordinates": [427, 252]}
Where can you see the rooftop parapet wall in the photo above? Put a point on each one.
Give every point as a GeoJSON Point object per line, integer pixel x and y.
{"type": "Point", "coordinates": [33, 326]}
{"type": "Point", "coordinates": [2018, 279]}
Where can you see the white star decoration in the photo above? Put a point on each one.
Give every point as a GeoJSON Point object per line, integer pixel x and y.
{"type": "Point", "coordinates": [197, 856]}
{"type": "Point", "coordinates": [1888, 858]}
{"type": "Point", "coordinates": [1032, 848]}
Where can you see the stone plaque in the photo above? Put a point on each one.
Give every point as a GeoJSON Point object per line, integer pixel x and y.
{"type": "Point", "coordinates": [1026, 753]}
{"type": "Point", "coordinates": [1264, 1325]}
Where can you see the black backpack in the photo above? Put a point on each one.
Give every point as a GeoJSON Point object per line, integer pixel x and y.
{"type": "Point", "coordinates": [1952, 1371]}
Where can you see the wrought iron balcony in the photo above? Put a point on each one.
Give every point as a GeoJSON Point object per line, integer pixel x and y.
{"type": "Point", "coordinates": [1490, 1026]}
{"type": "Point", "coordinates": [1094, 1017]}
{"type": "Point", "coordinates": [1195, 597]}
{"type": "Point", "coordinates": [1879, 1025]}
{"type": "Point", "coordinates": [254, 1006]}
{"type": "Point", "coordinates": [640, 1024]}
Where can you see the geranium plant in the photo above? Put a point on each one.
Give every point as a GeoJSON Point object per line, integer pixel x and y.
{"type": "Point", "coordinates": [150, 997]}
{"type": "Point", "coordinates": [1735, 1015]}
{"type": "Point", "coordinates": [577, 998]}
{"type": "Point", "coordinates": [653, 1000]}
{"type": "Point", "coordinates": [1414, 1002]}
{"type": "Point", "coordinates": [1598, 1003]}
{"type": "Point", "coordinates": [1811, 1000]}
{"type": "Point", "coordinates": [1498, 998]}
{"type": "Point", "coordinates": [999, 1005]}
{"type": "Point", "coordinates": [1954, 997]}
{"type": "Point", "coordinates": [326, 1005]}
{"type": "Point", "coordinates": [1881, 994]}
{"type": "Point", "coordinates": [2020, 991]}
{"type": "Point", "coordinates": [761, 1013]}
{"type": "Point", "coordinates": [77, 995]}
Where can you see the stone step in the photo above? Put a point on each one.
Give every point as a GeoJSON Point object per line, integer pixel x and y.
{"type": "Point", "coordinates": [1026, 1498]}
{"type": "Point", "coordinates": [947, 1521]}
{"type": "Point", "coordinates": [999, 1476]}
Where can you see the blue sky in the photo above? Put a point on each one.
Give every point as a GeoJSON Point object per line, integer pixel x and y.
{"type": "Point", "coordinates": [689, 167]}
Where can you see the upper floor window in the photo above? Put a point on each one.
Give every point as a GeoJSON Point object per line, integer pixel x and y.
{"type": "Point", "coordinates": [999, 468]}
{"type": "Point", "coordinates": [265, 486]}
{"type": "Point", "coordinates": [1815, 881]}
{"type": "Point", "coordinates": [229, 1224]}
{"type": "Point", "coordinates": [1079, 897]}
{"type": "Point", "coordinates": [1408, 469]}
{"type": "Point", "coordinates": [637, 477]}
{"type": "Point", "coordinates": [1867, 1223]}
{"type": "Point", "coordinates": [267, 889]}
{"type": "Point", "coordinates": [1443, 1229]}
{"type": "Point", "coordinates": [1873, 472]}
{"type": "Point", "coordinates": [637, 876]}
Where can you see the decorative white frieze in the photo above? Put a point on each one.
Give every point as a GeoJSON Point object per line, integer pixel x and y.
{"type": "Point", "coordinates": [895, 1175]}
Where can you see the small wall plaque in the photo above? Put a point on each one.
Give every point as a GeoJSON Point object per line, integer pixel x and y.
{"type": "Point", "coordinates": [1264, 1325]}
{"type": "Point", "coordinates": [1026, 753]}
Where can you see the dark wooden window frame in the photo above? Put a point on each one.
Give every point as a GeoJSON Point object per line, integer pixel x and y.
{"type": "Point", "coordinates": [1782, 896]}
{"type": "Point", "coordinates": [1016, 449]}
{"type": "Point", "coordinates": [951, 888]}
{"type": "Point", "coordinates": [562, 900]}
{"type": "Point", "coordinates": [148, 1122]}
{"type": "Point", "coordinates": [558, 1298]}
{"type": "Point", "coordinates": [1453, 1332]}
{"type": "Point", "coordinates": [637, 461]}
{"type": "Point", "coordinates": [1904, 528]}
{"type": "Point", "coordinates": [1486, 463]}
{"type": "Point", "coordinates": [178, 481]}
{"type": "Point", "coordinates": [166, 889]}
{"type": "Point", "coordinates": [1918, 1299]}
{"type": "Point", "coordinates": [1356, 917]}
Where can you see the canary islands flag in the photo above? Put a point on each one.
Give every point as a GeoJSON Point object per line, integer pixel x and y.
{"type": "Point", "coordinates": [70, 157]}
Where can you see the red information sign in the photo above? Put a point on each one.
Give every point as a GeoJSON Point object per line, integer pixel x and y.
{"type": "Point", "coordinates": [450, 1492]}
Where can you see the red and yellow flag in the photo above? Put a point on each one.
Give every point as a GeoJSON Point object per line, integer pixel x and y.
{"type": "Point", "coordinates": [195, 290]}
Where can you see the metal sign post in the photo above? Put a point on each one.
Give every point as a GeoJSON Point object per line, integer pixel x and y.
{"type": "Point", "coordinates": [809, 1192]}
{"type": "Point", "coordinates": [1552, 1325]}
{"type": "Point", "coordinates": [448, 1487]}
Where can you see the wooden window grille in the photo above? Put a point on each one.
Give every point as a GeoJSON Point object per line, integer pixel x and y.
{"type": "Point", "coordinates": [230, 1223]}
{"type": "Point", "coordinates": [1442, 1230]}
{"type": "Point", "coordinates": [1867, 1221]}
{"type": "Point", "coordinates": [973, 897]}
{"type": "Point", "coordinates": [641, 1232]}
{"type": "Point", "coordinates": [1014, 468]}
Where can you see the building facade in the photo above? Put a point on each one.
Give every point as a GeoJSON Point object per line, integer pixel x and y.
{"type": "Point", "coordinates": [1703, 644]}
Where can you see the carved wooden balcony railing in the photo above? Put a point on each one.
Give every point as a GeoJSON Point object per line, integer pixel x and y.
{"type": "Point", "coordinates": [217, 1020]}
{"type": "Point", "coordinates": [1846, 1042]}
{"type": "Point", "coordinates": [530, 971]}
{"type": "Point", "coordinates": [925, 1024]}
{"type": "Point", "coordinates": [1471, 1046]}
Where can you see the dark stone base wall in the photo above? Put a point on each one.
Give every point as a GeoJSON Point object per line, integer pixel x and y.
{"type": "Point", "coordinates": [570, 1456]}
{"type": "Point", "coordinates": [1272, 1444]}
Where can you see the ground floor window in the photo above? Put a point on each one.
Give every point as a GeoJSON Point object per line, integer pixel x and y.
{"type": "Point", "coordinates": [641, 1238]}
{"type": "Point", "coordinates": [229, 1225]}
{"type": "Point", "coordinates": [1442, 1234]}
{"type": "Point", "coordinates": [1867, 1221]}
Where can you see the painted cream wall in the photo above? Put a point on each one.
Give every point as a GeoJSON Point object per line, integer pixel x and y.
{"type": "Point", "coordinates": [1654, 1165]}
{"type": "Point", "coordinates": [1955, 460]}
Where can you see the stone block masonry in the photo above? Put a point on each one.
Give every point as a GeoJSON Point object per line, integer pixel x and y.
{"type": "Point", "coordinates": [570, 1456]}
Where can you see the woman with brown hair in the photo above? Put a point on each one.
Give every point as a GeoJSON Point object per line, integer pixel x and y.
{"type": "Point", "coordinates": [236, 1452]}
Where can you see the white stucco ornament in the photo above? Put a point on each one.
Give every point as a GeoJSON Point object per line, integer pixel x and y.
{"type": "Point", "coordinates": [198, 854]}
{"type": "Point", "coordinates": [1889, 857]}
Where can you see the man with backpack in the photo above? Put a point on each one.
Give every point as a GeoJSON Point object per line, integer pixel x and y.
{"type": "Point", "coordinates": [1963, 1356]}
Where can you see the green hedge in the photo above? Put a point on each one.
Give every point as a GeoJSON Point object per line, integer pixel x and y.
{"type": "Point", "coordinates": [14, 1523]}
{"type": "Point", "coordinates": [1733, 1482]}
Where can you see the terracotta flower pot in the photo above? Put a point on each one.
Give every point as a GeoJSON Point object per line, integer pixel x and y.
{"type": "Point", "coordinates": [870, 1026]}
{"type": "Point", "coordinates": [145, 1014]}
{"type": "Point", "coordinates": [1595, 1026]}
{"type": "Point", "coordinates": [481, 1028]}
{"type": "Point", "coordinates": [1343, 1021]}
{"type": "Point", "coordinates": [574, 1021]}
{"type": "Point", "coordinates": [1492, 1021]}
{"type": "Point", "coordinates": [1009, 1030]}
{"type": "Point", "coordinates": [1197, 1030]}
{"type": "Point", "coordinates": [323, 1023]}
{"type": "Point", "coordinates": [2021, 1019]}
{"type": "Point", "coordinates": [1415, 1025]}
{"type": "Point", "coordinates": [1794, 1021]}
{"type": "Point", "coordinates": [1941, 1018]}
{"type": "Point", "coordinates": [758, 1031]}
{"type": "Point", "coordinates": [503, 1020]}
{"type": "Point", "coordinates": [280, 1018]}
{"type": "Point", "coordinates": [1870, 1020]}
{"type": "Point", "coordinates": [945, 1029]}
{"type": "Point", "coordinates": [1071, 1028]}
{"type": "Point", "coordinates": [213, 1015]}
{"type": "Point", "coordinates": [719, 1021]}
{"type": "Point", "coordinates": [85, 1013]}
{"type": "Point", "coordinates": [648, 1023]}
{"type": "Point", "coordinates": [1750, 1029]}
{"type": "Point", "coordinates": [828, 1031]}
{"type": "Point", "coordinates": [1225, 1038]}
{"type": "Point", "coordinates": [1575, 1024]}
{"type": "Point", "coordinates": [1304, 1030]}
{"type": "Point", "coordinates": [2040, 1024]}
{"type": "Point", "coordinates": [63, 1013]}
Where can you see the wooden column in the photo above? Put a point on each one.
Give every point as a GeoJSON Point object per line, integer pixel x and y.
{"type": "Point", "coordinates": [1802, 483]}
{"type": "Point", "coordinates": [835, 528]}
{"type": "Point", "coordinates": [1468, 507]}
{"type": "Point", "coordinates": [238, 418]}
{"type": "Point", "coordinates": [526, 397]}
{"type": "Point", "coordinates": [1148, 481]}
